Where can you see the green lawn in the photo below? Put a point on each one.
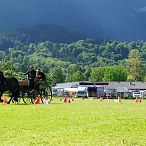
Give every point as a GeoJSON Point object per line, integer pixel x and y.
{"type": "Point", "coordinates": [82, 123]}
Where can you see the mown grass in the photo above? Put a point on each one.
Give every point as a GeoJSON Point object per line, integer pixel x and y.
{"type": "Point", "coordinates": [82, 123]}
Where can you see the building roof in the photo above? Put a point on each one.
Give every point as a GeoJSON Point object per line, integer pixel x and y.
{"type": "Point", "coordinates": [128, 85]}
{"type": "Point", "coordinates": [108, 85]}
{"type": "Point", "coordinates": [68, 85]}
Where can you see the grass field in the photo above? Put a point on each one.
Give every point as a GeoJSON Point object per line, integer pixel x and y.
{"type": "Point", "coordinates": [82, 123]}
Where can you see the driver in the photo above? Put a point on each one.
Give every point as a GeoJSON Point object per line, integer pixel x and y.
{"type": "Point", "coordinates": [31, 73]}
{"type": "Point", "coordinates": [40, 75]}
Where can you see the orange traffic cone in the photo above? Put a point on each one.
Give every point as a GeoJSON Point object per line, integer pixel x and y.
{"type": "Point", "coordinates": [101, 99]}
{"type": "Point", "coordinates": [4, 99]}
{"type": "Point", "coordinates": [65, 99]}
{"type": "Point", "coordinates": [38, 100]}
{"type": "Point", "coordinates": [136, 99]}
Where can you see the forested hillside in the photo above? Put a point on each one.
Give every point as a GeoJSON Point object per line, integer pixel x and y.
{"type": "Point", "coordinates": [37, 33]}
{"type": "Point", "coordinates": [85, 59]}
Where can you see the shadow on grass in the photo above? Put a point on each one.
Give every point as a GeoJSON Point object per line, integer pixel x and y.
{"type": "Point", "coordinates": [56, 103]}
{"type": "Point", "coordinates": [17, 104]}
{"type": "Point", "coordinates": [20, 104]}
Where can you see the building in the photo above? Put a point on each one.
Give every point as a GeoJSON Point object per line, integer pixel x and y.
{"type": "Point", "coordinates": [125, 89]}
{"type": "Point", "coordinates": [62, 89]}
{"type": "Point", "coordinates": [112, 89]}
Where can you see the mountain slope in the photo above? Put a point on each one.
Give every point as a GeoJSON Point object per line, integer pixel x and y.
{"type": "Point", "coordinates": [37, 34]}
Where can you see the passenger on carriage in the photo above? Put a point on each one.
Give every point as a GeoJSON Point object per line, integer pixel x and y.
{"type": "Point", "coordinates": [40, 75]}
{"type": "Point", "coordinates": [31, 73]}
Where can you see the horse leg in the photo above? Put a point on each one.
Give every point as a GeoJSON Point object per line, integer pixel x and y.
{"type": "Point", "coordinates": [1, 100]}
{"type": "Point", "coordinates": [12, 97]}
{"type": "Point", "coordinates": [15, 95]}
{"type": "Point", "coordinates": [10, 100]}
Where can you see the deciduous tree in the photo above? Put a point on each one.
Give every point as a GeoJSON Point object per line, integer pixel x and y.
{"type": "Point", "coordinates": [134, 66]}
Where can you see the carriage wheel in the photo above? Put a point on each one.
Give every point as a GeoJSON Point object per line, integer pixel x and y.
{"type": "Point", "coordinates": [13, 101]}
{"type": "Point", "coordinates": [47, 93]}
{"type": "Point", "coordinates": [27, 100]}
{"type": "Point", "coordinates": [25, 97]}
{"type": "Point", "coordinates": [19, 99]}
{"type": "Point", "coordinates": [33, 97]}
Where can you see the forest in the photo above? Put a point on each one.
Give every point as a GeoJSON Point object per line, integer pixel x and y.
{"type": "Point", "coordinates": [77, 58]}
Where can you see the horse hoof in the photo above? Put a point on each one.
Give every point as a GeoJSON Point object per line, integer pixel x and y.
{"type": "Point", "coordinates": [1, 100]}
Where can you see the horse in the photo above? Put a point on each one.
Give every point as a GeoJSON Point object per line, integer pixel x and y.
{"type": "Point", "coordinates": [10, 84]}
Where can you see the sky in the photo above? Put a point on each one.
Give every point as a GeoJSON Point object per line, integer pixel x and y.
{"type": "Point", "coordinates": [103, 17]}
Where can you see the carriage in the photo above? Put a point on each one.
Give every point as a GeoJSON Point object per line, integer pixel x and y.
{"type": "Point", "coordinates": [28, 95]}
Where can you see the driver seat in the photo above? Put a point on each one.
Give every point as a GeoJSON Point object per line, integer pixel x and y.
{"type": "Point", "coordinates": [23, 83]}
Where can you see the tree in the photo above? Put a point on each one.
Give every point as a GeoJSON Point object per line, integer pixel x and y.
{"type": "Point", "coordinates": [8, 67]}
{"type": "Point", "coordinates": [111, 73]}
{"type": "Point", "coordinates": [71, 69]}
{"type": "Point", "coordinates": [57, 75]}
{"type": "Point", "coordinates": [115, 73]}
{"type": "Point", "coordinates": [77, 76]}
{"type": "Point", "coordinates": [2, 55]}
{"type": "Point", "coordinates": [134, 66]}
{"type": "Point", "coordinates": [97, 74]}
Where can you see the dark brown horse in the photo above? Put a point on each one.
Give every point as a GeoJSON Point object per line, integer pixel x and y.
{"type": "Point", "coordinates": [10, 84]}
